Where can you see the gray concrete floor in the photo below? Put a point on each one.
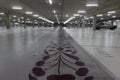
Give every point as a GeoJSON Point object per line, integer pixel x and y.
{"type": "Point", "coordinates": [19, 49]}
{"type": "Point", "coordinates": [104, 45]}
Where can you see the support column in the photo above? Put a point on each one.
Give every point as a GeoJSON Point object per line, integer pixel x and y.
{"type": "Point", "coordinates": [33, 23]}
{"type": "Point", "coordinates": [112, 22]}
{"type": "Point", "coordinates": [83, 23]}
{"type": "Point", "coordinates": [38, 23]}
{"type": "Point", "coordinates": [7, 20]}
{"type": "Point", "coordinates": [94, 22]}
{"type": "Point", "coordinates": [24, 22]}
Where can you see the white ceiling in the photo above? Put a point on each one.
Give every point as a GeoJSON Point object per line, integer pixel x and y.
{"type": "Point", "coordinates": [70, 7]}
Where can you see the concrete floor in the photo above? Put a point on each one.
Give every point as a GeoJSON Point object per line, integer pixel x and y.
{"type": "Point", "coordinates": [19, 46]}
{"type": "Point", "coordinates": [104, 45]}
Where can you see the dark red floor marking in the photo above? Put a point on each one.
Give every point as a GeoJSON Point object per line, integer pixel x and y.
{"type": "Point", "coordinates": [60, 51]}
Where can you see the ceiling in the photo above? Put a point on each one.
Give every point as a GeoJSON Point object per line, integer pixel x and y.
{"type": "Point", "coordinates": [62, 7]}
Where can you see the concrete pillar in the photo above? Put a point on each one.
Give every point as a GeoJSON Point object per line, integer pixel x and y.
{"type": "Point", "coordinates": [38, 24]}
{"type": "Point", "coordinates": [83, 23]}
{"type": "Point", "coordinates": [33, 24]}
{"type": "Point", "coordinates": [24, 22]}
{"type": "Point", "coordinates": [7, 20]}
{"type": "Point", "coordinates": [94, 22]}
{"type": "Point", "coordinates": [112, 22]}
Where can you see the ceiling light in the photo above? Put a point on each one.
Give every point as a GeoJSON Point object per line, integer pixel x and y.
{"type": "Point", "coordinates": [35, 15]}
{"type": "Point", "coordinates": [113, 16]}
{"type": "Point", "coordinates": [29, 12]}
{"type": "Point", "coordinates": [81, 15]}
{"type": "Point", "coordinates": [110, 21]}
{"type": "Point", "coordinates": [2, 13]}
{"type": "Point", "coordinates": [91, 5]}
{"type": "Point", "coordinates": [60, 3]}
{"type": "Point", "coordinates": [111, 12]}
{"type": "Point", "coordinates": [99, 15]}
{"type": "Point", "coordinates": [57, 19]}
{"type": "Point", "coordinates": [28, 18]}
{"type": "Point", "coordinates": [81, 11]}
{"type": "Point", "coordinates": [76, 15]}
{"type": "Point", "coordinates": [86, 18]}
{"type": "Point", "coordinates": [50, 1]}
{"type": "Point", "coordinates": [117, 20]}
{"type": "Point", "coordinates": [17, 7]}
{"type": "Point", "coordinates": [39, 17]}
{"type": "Point", "coordinates": [101, 18]}
{"type": "Point", "coordinates": [68, 20]}
{"type": "Point", "coordinates": [22, 17]}
{"type": "Point", "coordinates": [92, 17]}
{"type": "Point", "coordinates": [14, 16]}
{"type": "Point", "coordinates": [67, 15]}
{"type": "Point", "coordinates": [54, 11]}
{"type": "Point", "coordinates": [44, 19]}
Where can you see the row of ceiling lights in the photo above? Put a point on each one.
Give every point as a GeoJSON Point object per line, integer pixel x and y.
{"type": "Point", "coordinates": [79, 12]}
{"type": "Point", "coordinates": [20, 19]}
{"type": "Point", "coordinates": [83, 11]}
{"type": "Point", "coordinates": [54, 11]}
{"type": "Point", "coordinates": [99, 15]}
{"type": "Point", "coordinates": [29, 13]}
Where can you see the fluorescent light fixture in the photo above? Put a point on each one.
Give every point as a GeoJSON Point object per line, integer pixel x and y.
{"type": "Point", "coordinates": [117, 20]}
{"type": "Point", "coordinates": [2, 13]}
{"type": "Point", "coordinates": [57, 19]}
{"type": "Point", "coordinates": [68, 20]}
{"type": "Point", "coordinates": [50, 1]}
{"type": "Point", "coordinates": [86, 18]}
{"type": "Point", "coordinates": [81, 11]}
{"type": "Point", "coordinates": [112, 12]}
{"type": "Point", "coordinates": [91, 17]}
{"type": "Point", "coordinates": [39, 17]}
{"type": "Point", "coordinates": [113, 16]}
{"type": "Point", "coordinates": [109, 14]}
{"type": "Point", "coordinates": [76, 15]}
{"type": "Point", "coordinates": [60, 3]}
{"type": "Point", "coordinates": [56, 15]}
{"type": "Point", "coordinates": [91, 5]}
{"type": "Point", "coordinates": [28, 18]}
{"type": "Point", "coordinates": [17, 7]}
{"type": "Point", "coordinates": [22, 17]}
{"type": "Point", "coordinates": [29, 12]}
{"type": "Point", "coordinates": [101, 18]}
{"type": "Point", "coordinates": [35, 15]}
{"type": "Point", "coordinates": [99, 15]}
{"type": "Point", "coordinates": [67, 15]}
{"type": "Point", "coordinates": [109, 21]}
{"type": "Point", "coordinates": [44, 19]}
{"type": "Point", "coordinates": [14, 16]}
{"type": "Point", "coordinates": [81, 15]}
{"type": "Point", "coordinates": [54, 11]}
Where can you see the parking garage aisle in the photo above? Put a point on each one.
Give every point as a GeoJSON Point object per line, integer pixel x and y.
{"type": "Point", "coordinates": [19, 49]}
